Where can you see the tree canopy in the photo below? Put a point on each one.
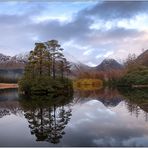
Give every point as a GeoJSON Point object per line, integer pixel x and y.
{"type": "Point", "coordinates": [47, 69]}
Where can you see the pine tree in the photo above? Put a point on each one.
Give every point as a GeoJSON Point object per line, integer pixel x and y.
{"type": "Point", "coordinates": [45, 69]}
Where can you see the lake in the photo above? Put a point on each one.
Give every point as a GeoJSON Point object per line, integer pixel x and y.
{"type": "Point", "coordinates": [105, 117]}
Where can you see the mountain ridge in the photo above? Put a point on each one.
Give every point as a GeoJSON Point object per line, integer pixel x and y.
{"type": "Point", "coordinates": [19, 61]}
{"type": "Point", "coordinates": [12, 62]}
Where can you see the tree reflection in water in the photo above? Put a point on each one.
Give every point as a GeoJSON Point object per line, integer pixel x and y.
{"type": "Point", "coordinates": [136, 100]}
{"type": "Point", "coordinates": [47, 117]}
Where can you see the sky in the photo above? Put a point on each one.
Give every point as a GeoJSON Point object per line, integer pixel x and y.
{"type": "Point", "coordinates": [89, 31]}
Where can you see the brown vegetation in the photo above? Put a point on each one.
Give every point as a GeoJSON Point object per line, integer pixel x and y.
{"type": "Point", "coordinates": [102, 75]}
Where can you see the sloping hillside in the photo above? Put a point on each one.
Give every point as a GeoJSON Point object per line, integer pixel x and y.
{"type": "Point", "coordinates": [143, 58]}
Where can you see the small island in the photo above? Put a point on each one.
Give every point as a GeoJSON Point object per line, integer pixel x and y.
{"type": "Point", "coordinates": [47, 70]}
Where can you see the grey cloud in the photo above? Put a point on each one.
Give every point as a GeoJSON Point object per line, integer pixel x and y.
{"type": "Point", "coordinates": [117, 9]}
{"type": "Point", "coordinates": [22, 34]}
{"type": "Point", "coordinates": [77, 29]}
{"type": "Point", "coordinates": [74, 30]}
{"type": "Point", "coordinates": [117, 33]}
{"type": "Point", "coordinates": [19, 31]}
{"type": "Point", "coordinates": [10, 20]}
{"type": "Point", "coordinates": [121, 33]}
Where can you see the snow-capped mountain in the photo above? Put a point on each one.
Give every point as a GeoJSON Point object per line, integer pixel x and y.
{"type": "Point", "coordinates": [109, 64]}
{"type": "Point", "coordinates": [17, 61]}
{"type": "Point", "coordinates": [4, 58]}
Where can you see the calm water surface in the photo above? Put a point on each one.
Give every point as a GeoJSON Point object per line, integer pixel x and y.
{"type": "Point", "coordinates": [88, 118]}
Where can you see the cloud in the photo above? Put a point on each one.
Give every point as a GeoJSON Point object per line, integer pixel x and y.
{"type": "Point", "coordinates": [107, 126]}
{"type": "Point", "coordinates": [39, 22]}
{"type": "Point", "coordinates": [108, 10]}
{"type": "Point", "coordinates": [138, 141]}
{"type": "Point", "coordinates": [87, 52]}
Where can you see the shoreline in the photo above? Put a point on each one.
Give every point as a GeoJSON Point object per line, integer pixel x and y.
{"type": "Point", "coordinates": [8, 85]}
{"type": "Point", "coordinates": [139, 86]}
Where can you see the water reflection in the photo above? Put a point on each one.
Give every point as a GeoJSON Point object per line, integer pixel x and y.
{"type": "Point", "coordinates": [9, 94]}
{"type": "Point", "coordinates": [109, 97]}
{"type": "Point", "coordinates": [136, 100]}
{"type": "Point", "coordinates": [47, 116]}
{"type": "Point", "coordinates": [109, 125]}
{"type": "Point", "coordinates": [8, 103]}
{"type": "Point", "coordinates": [105, 117]}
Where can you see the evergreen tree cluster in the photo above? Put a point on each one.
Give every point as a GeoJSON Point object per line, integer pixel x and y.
{"type": "Point", "coordinates": [47, 69]}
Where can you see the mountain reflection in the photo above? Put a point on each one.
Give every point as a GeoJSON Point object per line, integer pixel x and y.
{"type": "Point", "coordinates": [10, 107]}
{"type": "Point", "coordinates": [135, 99]}
{"type": "Point", "coordinates": [109, 97]}
{"type": "Point", "coordinates": [95, 115]}
{"type": "Point", "coordinates": [9, 94]}
{"type": "Point", "coordinates": [8, 103]}
{"type": "Point", "coordinates": [47, 117]}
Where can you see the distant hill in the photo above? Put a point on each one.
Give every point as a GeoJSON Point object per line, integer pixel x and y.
{"type": "Point", "coordinates": [13, 67]}
{"type": "Point", "coordinates": [109, 64]}
{"type": "Point", "coordinates": [143, 58]}
{"type": "Point", "coordinates": [77, 68]}
{"type": "Point", "coordinates": [80, 66]}
{"type": "Point", "coordinates": [14, 62]}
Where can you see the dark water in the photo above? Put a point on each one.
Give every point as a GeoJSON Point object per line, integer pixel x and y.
{"type": "Point", "coordinates": [88, 118]}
